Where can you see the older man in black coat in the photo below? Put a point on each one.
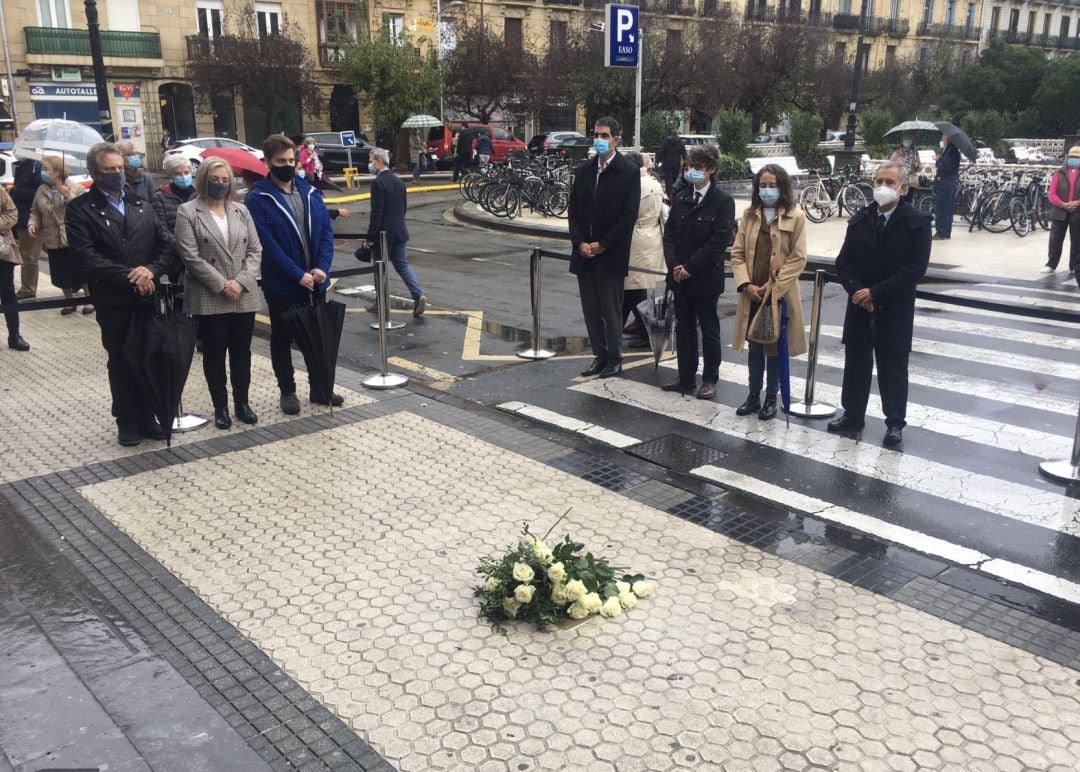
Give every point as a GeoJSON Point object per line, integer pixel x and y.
{"type": "Point", "coordinates": [885, 253]}
{"type": "Point", "coordinates": [603, 209]}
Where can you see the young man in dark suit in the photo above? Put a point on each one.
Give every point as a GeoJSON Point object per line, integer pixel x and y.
{"type": "Point", "coordinates": [885, 253]}
{"type": "Point", "coordinates": [388, 207]}
{"type": "Point", "coordinates": [603, 209]}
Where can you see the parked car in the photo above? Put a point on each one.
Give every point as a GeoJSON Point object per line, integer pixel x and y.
{"type": "Point", "coordinates": [7, 172]}
{"type": "Point", "coordinates": [192, 149]}
{"type": "Point", "coordinates": [442, 140]}
{"type": "Point", "coordinates": [782, 138]}
{"type": "Point", "coordinates": [698, 139]}
{"type": "Point", "coordinates": [335, 156]}
{"type": "Point", "coordinates": [838, 136]}
{"type": "Point", "coordinates": [546, 141]}
{"type": "Point", "coordinates": [761, 139]}
{"type": "Point", "coordinates": [575, 148]}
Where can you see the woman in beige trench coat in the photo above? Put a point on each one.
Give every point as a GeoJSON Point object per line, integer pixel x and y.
{"type": "Point", "coordinates": [646, 249]}
{"type": "Point", "coordinates": [770, 245]}
{"type": "Point", "coordinates": [9, 258]}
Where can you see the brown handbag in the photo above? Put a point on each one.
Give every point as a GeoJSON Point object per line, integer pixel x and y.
{"type": "Point", "coordinates": [765, 324]}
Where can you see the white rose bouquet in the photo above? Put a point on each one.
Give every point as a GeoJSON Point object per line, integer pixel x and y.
{"type": "Point", "coordinates": [543, 584]}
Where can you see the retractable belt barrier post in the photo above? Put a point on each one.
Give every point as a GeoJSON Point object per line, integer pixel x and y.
{"type": "Point", "coordinates": [1067, 471]}
{"type": "Point", "coordinates": [807, 408]}
{"type": "Point", "coordinates": [383, 380]}
{"type": "Point", "coordinates": [534, 351]}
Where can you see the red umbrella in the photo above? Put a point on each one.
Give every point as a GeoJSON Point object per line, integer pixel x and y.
{"type": "Point", "coordinates": [239, 160]}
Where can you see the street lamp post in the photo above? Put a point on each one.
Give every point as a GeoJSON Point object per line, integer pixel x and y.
{"type": "Point", "coordinates": [104, 113]}
{"type": "Point", "coordinates": [853, 106]}
{"type": "Point", "coordinates": [439, 50]}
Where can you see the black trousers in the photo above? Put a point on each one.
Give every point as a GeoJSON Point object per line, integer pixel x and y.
{"type": "Point", "coordinates": [601, 305]}
{"type": "Point", "coordinates": [8, 300]}
{"type": "Point", "coordinates": [128, 400]}
{"type": "Point", "coordinates": [691, 312]}
{"type": "Point", "coordinates": [630, 300]}
{"type": "Point", "coordinates": [1058, 229]}
{"type": "Point", "coordinates": [461, 167]}
{"type": "Point", "coordinates": [221, 333]}
{"type": "Point", "coordinates": [281, 344]}
{"type": "Point", "coordinates": [892, 373]}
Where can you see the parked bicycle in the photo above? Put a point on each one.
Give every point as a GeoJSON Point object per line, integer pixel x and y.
{"type": "Point", "coordinates": [824, 196]}
{"type": "Point", "coordinates": [540, 183]}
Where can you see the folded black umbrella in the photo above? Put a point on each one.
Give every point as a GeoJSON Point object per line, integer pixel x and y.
{"type": "Point", "coordinates": [159, 347]}
{"type": "Point", "coordinates": [316, 324]}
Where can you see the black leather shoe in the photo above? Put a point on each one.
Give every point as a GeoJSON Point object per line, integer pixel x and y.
{"type": "Point", "coordinates": [845, 423]}
{"type": "Point", "coordinates": [221, 418]}
{"type": "Point", "coordinates": [768, 409]}
{"type": "Point", "coordinates": [243, 412]}
{"type": "Point", "coordinates": [679, 386]}
{"type": "Point", "coordinates": [18, 343]}
{"type": "Point", "coordinates": [612, 371]}
{"type": "Point", "coordinates": [894, 435]}
{"type": "Point", "coordinates": [752, 405]}
{"type": "Point", "coordinates": [127, 433]}
{"type": "Point", "coordinates": [595, 368]}
{"type": "Point", "coordinates": [336, 400]}
{"type": "Point", "coordinates": [151, 429]}
{"type": "Point", "coordinates": [290, 405]}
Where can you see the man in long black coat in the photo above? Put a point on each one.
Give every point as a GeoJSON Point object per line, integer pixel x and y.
{"type": "Point", "coordinates": [885, 253]}
{"type": "Point", "coordinates": [603, 209]}
{"type": "Point", "coordinates": [672, 154]}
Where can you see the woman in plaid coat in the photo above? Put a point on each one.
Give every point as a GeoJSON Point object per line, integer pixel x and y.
{"type": "Point", "coordinates": [221, 251]}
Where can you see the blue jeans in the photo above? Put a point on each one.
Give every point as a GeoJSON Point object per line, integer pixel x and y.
{"type": "Point", "coordinates": [399, 258]}
{"type": "Point", "coordinates": [420, 167]}
{"type": "Point", "coordinates": [758, 364]}
{"type": "Point", "coordinates": [944, 205]}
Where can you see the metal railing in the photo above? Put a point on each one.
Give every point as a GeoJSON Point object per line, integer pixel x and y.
{"type": "Point", "coordinates": [712, 9]}
{"type": "Point", "coordinates": [56, 41]}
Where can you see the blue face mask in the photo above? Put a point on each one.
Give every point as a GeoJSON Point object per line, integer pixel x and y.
{"type": "Point", "coordinates": [371, 167]}
{"type": "Point", "coordinates": [601, 146]}
{"type": "Point", "coordinates": [134, 162]}
{"type": "Point", "coordinates": [906, 143]}
{"type": "Point", "coordinates": [769, 196]}
{"type": "Point", "coordinates": [46, 177]}
{"type": "Point", "coordinates": [694, 176]}
{"type": "Point", "coordinates": [300, 173]}
{"type": "Point", "coordinates": [182, 180]}
{"type": "Point", "coordinates": [1073, 163]}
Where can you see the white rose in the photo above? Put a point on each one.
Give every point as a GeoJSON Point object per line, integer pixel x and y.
{"type": "Point", "coordinates": [558, 594]}
{"type": "Point", "coordinates": [511, 606]}
{"type": "Point", "coordinates": [523, 593]}
{"type": "Point", "coordinates": [642, 588]}
{"type": "Point", "coordinates": [623, 587]}
{"type": "Point", "coordinates": [577, 611]}
{"type": "Point", "coordinates": [523, 572]}
{"type": "Point", "coordinates": [493, 584]}
{"type": "Point", "coordinates": [542, 552]}
{"type": "Point", "coordinates": [627, 599]}
{"type": "Point", "coordinates": [611, 607]}
{"type": "Point", "coordinates": [557, 572]}
{"type": "Point", "coordinates": [592, 602]}
{"type": "Point", "coordinates": [575, 590]}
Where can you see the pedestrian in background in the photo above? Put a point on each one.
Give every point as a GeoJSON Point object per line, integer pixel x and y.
{"type": "Point", "coordinates": [463, 153]}
{"type": "Point", "coordinates": [124, 251]}
{"type": "Point", "coordinates": [646, 249]}
{"type": "Point", "coordinates": [417, 150]}
{"type": "Point", "coordinates": [1064, 194]}
{"type": "Point", "coordinates": [166, 140]}
{"type": "Point", "coordinates": [139, 183]}
{"type": "Point", "coordinates": [177, 190]}
{"type": "Point", "coordinates": [672, 156]}
{"type": "Point", "coordinates": [297, 249]}
{"type": "Point", "coordinates": [908, 157]}
{"type": "Point", "coordinates": [770, 246]}
{"type": "Point", "coordinates": [696, 238]}
{"type": "Point", "coordinates": [885, 253]}
{"type": "Point", "coordinates": [221, 252]}
{"type": "Point", "coordinates": [26, 174]}
{"type": "Point", "coordinates": [9, 258]}
{"type": "Point", "coordinates": [388, 206]}
{"type": "Point", "coordinates": [310, 162]}
{"type": "Point", "coordinates": [483, 147]}
{"type": "Point", "coordinates": [946, 182]}
{"type": "Point", "coordinates": [47, 223]}
{"type": "Point", "coordinates": [604, 202]}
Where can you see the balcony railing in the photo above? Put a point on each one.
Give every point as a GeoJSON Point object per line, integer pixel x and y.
{"type": "Point", "coordinates": [1071, 44]}
{"type": "Point", "coordinates": [713, 9]}
{"type": "Point", "coordinates": [199, 47]}
{"type": "Point", "coordinates": [562, 2]}
{"type": "Point", "coordinates": [331, 54]}
{"type": "Point", "coordinates": [894, 28]}
{"type": "Point", "coordinates": [950, 31]}
{"type": "Point", "coordinates": [55, 41]}
{"type": "Point", "coordinates": [760, 13]}
{"type": "Point", "coordinates": [846, 22]}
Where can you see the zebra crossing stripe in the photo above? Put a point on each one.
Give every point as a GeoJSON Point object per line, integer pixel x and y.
{"type": "Point", "coordinates": [1026, 300]}
{"type": "Point", "coordinates": [922, 307]}
{"type": "Point", "coordinates": [1002, 333]}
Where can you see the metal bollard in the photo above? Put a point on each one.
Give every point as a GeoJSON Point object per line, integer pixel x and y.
{"type": "Point", "coordinates": [382, 290]}
{"type": "Point", "coordinates": [383, 380]}
{"type": "Point", "coordinates": [187, 422]}
{"type": "Point", "coordinates": [1067, 471]}
{"type": "Point", "coordinates": [807, 408]}
{"type": "Point", "coordinates": [534, 351]}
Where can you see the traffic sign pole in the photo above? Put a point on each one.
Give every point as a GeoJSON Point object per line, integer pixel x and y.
{"type": "Point", "coordinates": [623, 48]}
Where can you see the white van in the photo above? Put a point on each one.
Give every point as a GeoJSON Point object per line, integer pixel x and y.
{"type": "Point", "coordinates": [698, 139]}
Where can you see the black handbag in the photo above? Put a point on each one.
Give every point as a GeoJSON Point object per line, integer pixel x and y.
{"type": "Point", "coordinates": [364, 253]}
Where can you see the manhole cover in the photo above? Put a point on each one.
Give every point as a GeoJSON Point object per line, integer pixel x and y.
{"type": "Point", "coordinates": [676, 452]}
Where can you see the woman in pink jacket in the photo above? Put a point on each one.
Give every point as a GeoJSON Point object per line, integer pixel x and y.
{"type": "Point", "coordinates": [1064, 194]}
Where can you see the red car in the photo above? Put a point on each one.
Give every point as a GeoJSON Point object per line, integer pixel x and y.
{"type": "Point", "coordinates": [442, 140]}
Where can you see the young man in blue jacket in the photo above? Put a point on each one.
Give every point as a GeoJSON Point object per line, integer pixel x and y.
{"type": "Point", "coordinates": [298, 246]}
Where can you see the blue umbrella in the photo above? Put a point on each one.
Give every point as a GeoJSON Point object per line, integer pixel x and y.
{"type": "Point", "coordinates": [784, 362]}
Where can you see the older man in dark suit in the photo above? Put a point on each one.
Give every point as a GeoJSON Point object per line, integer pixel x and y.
{"type": "Point", "coordinates": [603, 209]}
{"type": "Point", "coordinates": [885, 253]}
{"type": "Point", "coordinates": [388, 207]}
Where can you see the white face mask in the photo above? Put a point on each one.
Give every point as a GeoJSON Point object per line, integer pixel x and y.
{"type": "Point", "coordinates": [885, 195]}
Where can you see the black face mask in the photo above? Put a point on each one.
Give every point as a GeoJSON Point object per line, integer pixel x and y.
{"type": "Point", "coordinates": [111, 182]}
{"type": "Point", "coordinates": [283, 173]}
{"type": "Point", "coordinates": [218, 190]}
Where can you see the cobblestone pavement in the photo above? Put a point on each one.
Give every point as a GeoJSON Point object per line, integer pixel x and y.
{"type": "Point", "coordinates": [360, 589]}
{"type": "Point", "coordinates": [56, 399]}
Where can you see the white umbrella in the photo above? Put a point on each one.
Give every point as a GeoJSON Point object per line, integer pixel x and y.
{"type": "Point", "coordinates": [421, 122]}
{"type": "Point", "coordinates": [55, 136]}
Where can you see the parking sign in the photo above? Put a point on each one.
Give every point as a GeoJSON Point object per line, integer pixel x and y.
{"type": "Point", "coordinates": [348, 138]}
{"type": "Point", "coordinates": [622, 34]}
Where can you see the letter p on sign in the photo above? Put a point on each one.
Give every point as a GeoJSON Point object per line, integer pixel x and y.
{"type": "Point", "coordinates": [624, 26]}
